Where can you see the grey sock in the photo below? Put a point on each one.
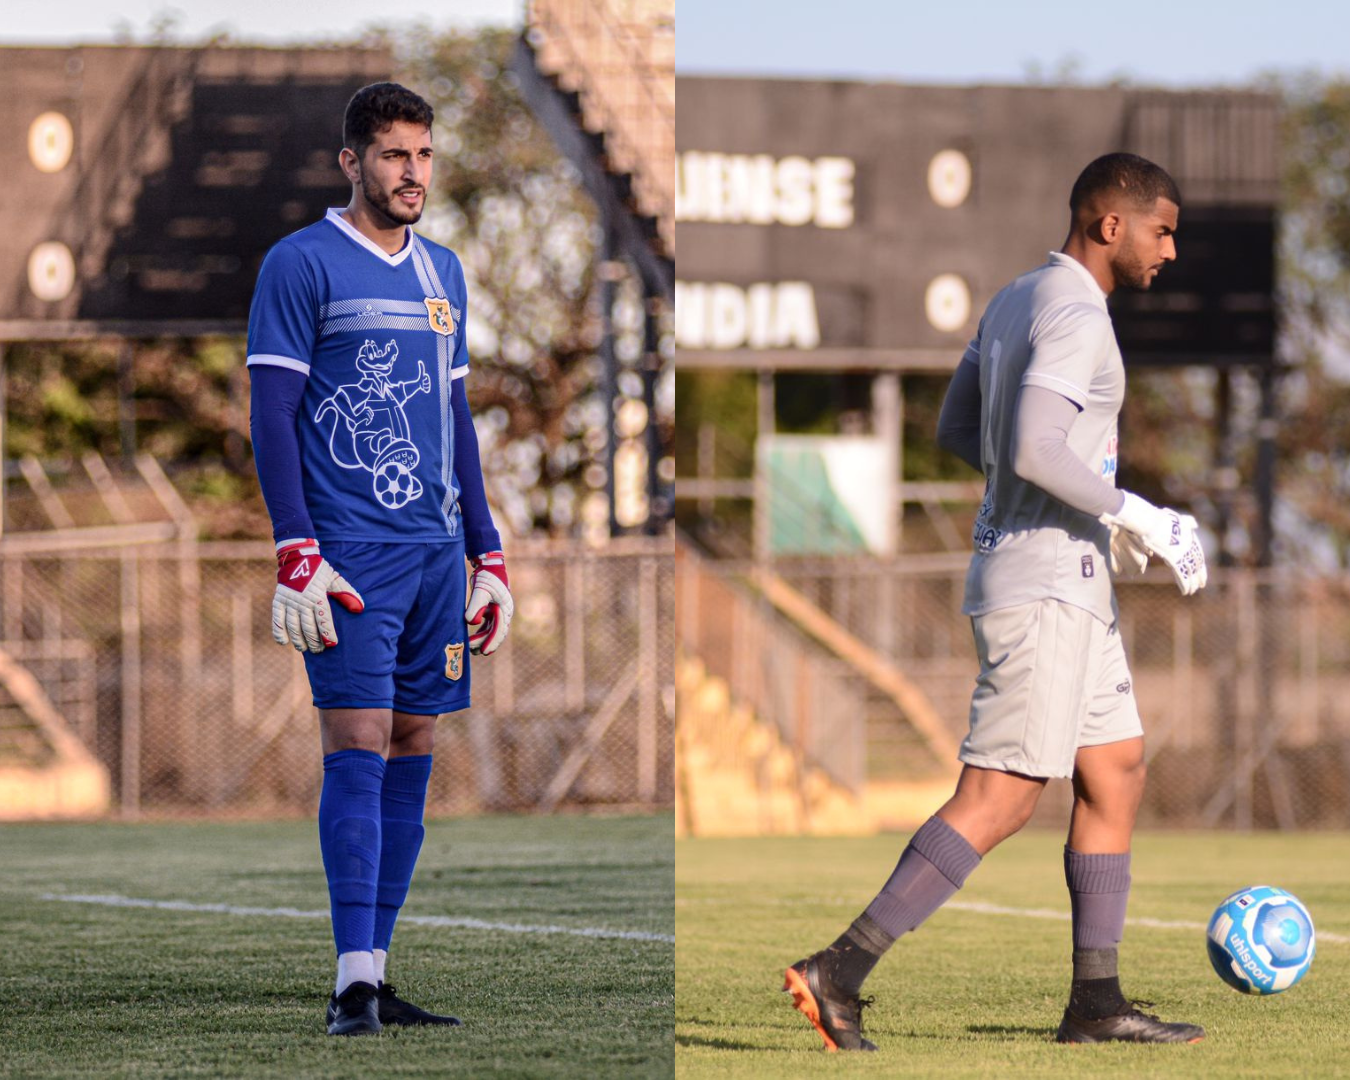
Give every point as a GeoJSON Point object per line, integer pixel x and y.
{"type": "Point", "coordinates": [934, 865]}
{"type": "Point", "coordinates": [1099, 887]}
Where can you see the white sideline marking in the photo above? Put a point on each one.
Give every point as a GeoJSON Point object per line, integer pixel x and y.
{"type": "Point", "coordinates": [418, 920]}
{"type": "Point", "coordinates": [1064, 916]}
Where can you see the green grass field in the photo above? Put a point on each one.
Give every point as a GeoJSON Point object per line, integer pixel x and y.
{"type": "Point", "coordinates": [979, 994]}
{"type": "Point", "coordinates": [100, 991]}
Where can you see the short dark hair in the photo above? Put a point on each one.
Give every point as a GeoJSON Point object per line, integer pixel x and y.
{"type": "Point", "coordinates": [1138, 179]}
{"type": "Point", "coordinates": [376, 108]}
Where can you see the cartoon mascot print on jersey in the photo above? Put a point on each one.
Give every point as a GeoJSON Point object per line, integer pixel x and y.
{"type": "Point", "coordinates": [377, 433]}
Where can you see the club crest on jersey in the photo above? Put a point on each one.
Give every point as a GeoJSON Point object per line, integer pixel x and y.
{"type": "Point", "coordinates": [441, 315]}
{"type": "Point", "coordinates": [454, 661]}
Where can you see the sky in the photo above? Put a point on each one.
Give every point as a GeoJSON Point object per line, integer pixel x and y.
{"type": "Point", "coordinates": [1179, 43]}
{"type": "Point", "coordinates": [25, 22]}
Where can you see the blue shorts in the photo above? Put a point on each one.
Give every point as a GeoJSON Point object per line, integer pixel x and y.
{"type": "Point", "coordinates": [408, 650]}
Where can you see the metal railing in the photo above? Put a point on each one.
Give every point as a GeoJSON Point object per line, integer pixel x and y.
{"type": "Point", "coordinates": [619, 55]}
{"type": "Point", "coordinates": [160, 657]}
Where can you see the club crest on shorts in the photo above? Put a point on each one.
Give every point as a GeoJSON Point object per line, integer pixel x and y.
{"type": "Point", "coordinates": [441, 315]}
{"type": "Point", "coordinates": [454, 661]}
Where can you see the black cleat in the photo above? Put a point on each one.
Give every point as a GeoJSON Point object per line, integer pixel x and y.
{"type": "Point", "coordinates": [355, 1011]}
{"type": "Point", "coordinates": [397, 1012]}
{"type": "Point", "coordinates": [836, 1015]}
{"type": "Point", "coordinates": [1129, 1026]}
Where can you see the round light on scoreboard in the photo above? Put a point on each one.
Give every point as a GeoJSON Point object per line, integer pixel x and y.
{"type": "Point", "coordinates": [947, 303]}
{"type": "Point", "coordinates": [949, 178]}
{"type": "Point", "coordinates": [51, 140]}
{"type": "Point", "coordinates": [51, 271]}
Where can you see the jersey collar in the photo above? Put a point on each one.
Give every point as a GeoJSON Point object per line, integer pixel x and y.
{"type": "Point", "coordinates": [334, 216]}
{"type": "Point", "coordinates": [1058, 258]}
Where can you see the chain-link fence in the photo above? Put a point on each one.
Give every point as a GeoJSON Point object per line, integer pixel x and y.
{"type": "Point", "coordinates": [1244, 689]}
{"type": "Point", "coordinates": [159, 658]}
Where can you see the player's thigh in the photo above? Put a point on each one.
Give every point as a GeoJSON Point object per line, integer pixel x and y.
{"type": "Point", "coordinates": [1112, 732]}
{"type": "Point", "coordinates": [1030, 696]}
{"type": "Point", "coordinates": [358, 672]}
{"type": "Point", "coordinates": [432, 671]}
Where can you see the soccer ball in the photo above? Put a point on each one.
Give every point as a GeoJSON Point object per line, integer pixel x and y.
{"type": "Point", "coordinates": [395, 485]}
{"type": "Point", "coordinates": [1261, 940]}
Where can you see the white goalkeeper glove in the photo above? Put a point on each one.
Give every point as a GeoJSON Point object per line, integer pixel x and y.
{"type": "Point", "coordinates": [1169, 535]}
{"type": "Point", "coordinates": [300, 612]}
{"type": "Point", "coordinates": [1129, 557]}
{"type": "Point", "coordinates": [490, 606]}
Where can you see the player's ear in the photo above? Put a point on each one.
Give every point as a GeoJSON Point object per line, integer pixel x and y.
{"type": "Point", "coordinates": [350, 164]}
{"type": "Point", "coordinates": [1111, 226]}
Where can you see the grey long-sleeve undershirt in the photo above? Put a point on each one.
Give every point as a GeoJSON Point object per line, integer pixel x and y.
{"type": "Point", "coordinates": [1041, 453]}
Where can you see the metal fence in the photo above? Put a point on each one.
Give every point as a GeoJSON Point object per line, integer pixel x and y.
{"type": "Point", "coordinates": [1244, 689]}
{"type": "Point", "coordinates": [160, 659]}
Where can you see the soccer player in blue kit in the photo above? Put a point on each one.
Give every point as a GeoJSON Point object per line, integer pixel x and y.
{"type": "Point", "coordinates": [368, 461]}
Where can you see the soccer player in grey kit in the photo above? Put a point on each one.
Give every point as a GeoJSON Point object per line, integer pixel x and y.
{"type": "Point", "coordinates": [1033, 405]}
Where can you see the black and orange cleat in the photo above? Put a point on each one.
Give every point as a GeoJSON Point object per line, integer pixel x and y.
{"type": "Point", "coordinates": [1130, 1025]}
{"type": "Point", "coordinates": [395, 1012]}
{"type": "Point", "coordinates": [836, 1015]}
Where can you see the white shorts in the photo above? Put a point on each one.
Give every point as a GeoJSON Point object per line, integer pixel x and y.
{"type": "Point", "coordinates": [1053, 678]}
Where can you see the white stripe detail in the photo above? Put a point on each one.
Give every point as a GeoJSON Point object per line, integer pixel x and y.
{"type": "Point", "coordinates": [377, 306]}
{"type": "Point", "coordinates": [1064, 916]}
{"type": "Point", "coordinates": [269, 360]}
{"type": "Point", "coordinates": [296, 913]}
{"type": "Point", "coordinates": [430, 266]}
{"type": "Point", "coordinates": [459, 372]}
{"type": "Point", "coordinates": [334, 216]}
{"type": "Point", "coordinates": [375, 322]}
{"type": "Point", "coordinates": [980, 908]}
{"type": "Point", "coordinates": [418, 265]}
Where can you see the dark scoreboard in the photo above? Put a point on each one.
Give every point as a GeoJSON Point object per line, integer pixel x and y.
{"type": "Point", "coordinates": [145, 185]}
{"type": "Point", "coordinates": [856, 216]}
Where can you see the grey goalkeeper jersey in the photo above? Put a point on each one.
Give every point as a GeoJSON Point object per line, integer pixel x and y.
{"type": "Point", "coordinates": [1050, 328]}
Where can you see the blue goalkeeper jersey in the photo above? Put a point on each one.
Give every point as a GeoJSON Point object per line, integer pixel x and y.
{"type": "Point", "coordinates": [380, 339]}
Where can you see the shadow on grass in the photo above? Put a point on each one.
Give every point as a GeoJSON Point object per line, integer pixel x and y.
{"type": "Point", "coordinates": [1010, 1031]}
{"type": "Point", "coordinates": [715, 1044]}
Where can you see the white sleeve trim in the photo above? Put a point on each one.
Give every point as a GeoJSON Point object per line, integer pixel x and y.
{"type": "Point", "coordinates": [270, 360]}
{"type": "Point", "coordinates": [1062, 387]}
{"type": "Point", "coordinates": [459, 372]}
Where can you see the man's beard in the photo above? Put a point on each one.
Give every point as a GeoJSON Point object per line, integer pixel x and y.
{"type": "Point", "coordinates": [1131, 272]}
{"type": "Point", "coordinates": [388, 205]}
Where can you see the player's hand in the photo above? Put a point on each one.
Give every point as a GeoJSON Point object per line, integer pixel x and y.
{"type": "Point", "coordinates": [300, 612]}
{"type": "Point", "coordinates": [1171, 536]}
{"type": "Point", "coordinates": [490, 606]}
{"type": "Point", "coordinates": [1129, 557]}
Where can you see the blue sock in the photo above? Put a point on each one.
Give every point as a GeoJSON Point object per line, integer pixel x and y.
{"type": "Point", "coordinates": [402, 800]}
{"type": "Point", "coordinates": [349, 837]}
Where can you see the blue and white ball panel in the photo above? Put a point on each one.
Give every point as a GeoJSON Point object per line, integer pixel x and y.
{"type": "Point", "coordinates": [1261, 940]}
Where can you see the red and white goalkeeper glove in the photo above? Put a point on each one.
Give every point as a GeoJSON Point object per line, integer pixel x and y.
{"type": "Point", "coordinates": [490, 606]}
{"type": "Point", "coordinates": [300, 612]}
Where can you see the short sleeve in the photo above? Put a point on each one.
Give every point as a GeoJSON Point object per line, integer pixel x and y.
{"type": "Point", "coordinates": [1068, 346]}
{"type": "Point", "coordinates": [283, 319]}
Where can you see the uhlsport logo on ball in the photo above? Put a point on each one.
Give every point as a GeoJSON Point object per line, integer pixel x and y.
{"type": "Point", "coordinates": [1261, 940]}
